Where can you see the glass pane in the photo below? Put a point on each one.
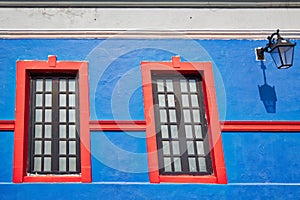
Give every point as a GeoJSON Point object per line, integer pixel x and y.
{"type": "Point", "coordinates": [188, 131]}
{"type": "Point", "coordinates": [163, 115]}
{"type": "Point", "coordinates": [198, 131]}
{"type": "Point", "coordinates": [39, 85]}
{"type": "Point", "coordinates": [174, 132]}
{"type": "Point", "coordinates": [161, 100]}
{"type": "Point", "coordinates": [190, 147]}
{"type": "Point", "coordinates": [200, 148]}
{"type": "Point", "coordinates": [48, 85]}
{"type": "Point", "coordinates": [72, 147]}
{"type": "Point", "coordinates": [187, 116]}
{"type": "Point", "coordinates": [160, 86]}
{"type": "Point", "coordinates": [62, 131]}
{"type": "Point", "coordinates": [62, 115]}
{"type": "Point", "coordinates": [164, 131]}
{"type": "Point", "coordinates": [38, 131]}
{"type": "Point", "coordinates": [194, 98]}
{"type": "Point", "coordinates": [202, 164]}
{"type": "Point", "coordinates": [48, 131]}
{"type": "Point", "coordinates": [38, 147]}
{"type": "Point", "coordinates": [167, 164]}
{"type": "Point", "coordinates": [37, 164]}
{"type": "Point", "coordinates": [48, 99]}
{"type": "Point", "coordinates": [47, 164]}
{"type": "Point", "coordinates": [183, 85]}
{"type": "Point", "coordinates": [169, 85]}
{"type": "Point", "coordinates": [72, 164]}
{"type": "Point", "coordinates": [185, 100]}
{"type": "Point", "coordinates": [192, 164]}
{"type": "Point", "coordinates": [72, 115]}
{"type": "Point", "coordinates": [62, 85]}
{"type": "Point", "coordinates": [48, 115]}
{"type": "Point", "coordinates": [177, 164]}
{"type": "Point", "coordinates": [175, 147]}
{"type": "Point", "coordinates": [72, 100]}
{"type": "Point", "coordinates": [172, 114]}
{"type": "Point", "coordinates": [71, 85]}
{"type": "Point", "coordinates": [193, 86]}
{"type": "Point", "coordinates": [62, 147]}
{"type": "Point", "coordinates": [171, 100]}
{"type": "Point", "coordinates": [47, 147]}
{"type": "Point", "coordinates": [62, 100]}
{"type": "Point", "coordinates": [62, 164]}
{"type": "Point", "coordinates": [196, 116]}
{"type": "Point", "coordinates": [72, 131]}
{"type": "Point", "coordinates": [166, 148]}
{"type": "Point", "coordinates": [38, 115]}
{"type": "Point", "coordinates": [39, 100]}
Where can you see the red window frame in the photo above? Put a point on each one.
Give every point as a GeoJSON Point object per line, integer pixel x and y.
{"type": "Point", "coordinates": [214, 130]}
{"type": "Point", "coordinates": [24, 69]}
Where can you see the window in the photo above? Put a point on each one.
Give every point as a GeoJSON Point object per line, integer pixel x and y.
{"type": "Point", "coordinates": [183, 132]}
{"type": "Point", "coordinates": [52, 122]}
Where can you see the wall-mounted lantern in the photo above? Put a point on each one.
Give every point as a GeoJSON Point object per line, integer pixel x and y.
{"type": "Point", "coordinates": [281, 50]}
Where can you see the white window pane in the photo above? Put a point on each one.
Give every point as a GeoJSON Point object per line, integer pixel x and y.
{"type": "Point", "coordinates": [38, 147]}
{"type": "Point", "coordinates": [72, 85]}
{"type": "Point", "coordinates": [166, 148]}
{"type": "Point", "coordinates": [185, 100]}
{"type": "Point", "coordinates": [62, 85]}
{"type": "Point", "coordinates": [37, 164]}
{"type": "Point", "coordinates": [202, 164]}
{"type": "Point", "coordinates": [164, 131]}
{"type": "Point", "coordinates": [187, 115]}
{"type": "Point", "coordinates": [72, 131]}
{"type": "Point", "coordinates": [190, 148]}
{"type": "Point", "coordinates": [193, 86]}
{"type": "Point", "coordinates": [62, 100]}
{"type": "Point", "coordinates": [188, 131]}
{"type": "Point", "coordinates": [169, 85]}
{"type": "Point", "coordinates": [62, 147]}
{"type": "Point", "coordinates": [62, 115]}
{"type": "Point", "coordinates": [72, 115]}
{"type": "Point", "coordinates": [174, 132]}
{"type": "Point", "coordinates": [38, 131]}
{"type": "Point", "coordinates": [72, 100]}
{"type": "Point", "coordinates": [198, 131]}
{"type": "Point", "coordinates": [47, 147]}
{"type": "Point", "coordinates": [183, 85]}
{"type": "Point", "coordinates": [39, 85]}
{"type": "Point", "coordinates": [177, 164]}
{"type": "Point", "coordinates": [39, 100]}
{"type": "Point", "coordinates": [171, 100]}
{"type": "Point", "coordinates": [163, 115]}
{"type": "Point", "coordinates": [47, 164]}
{"type": "Point", "coordinates": [62, 131]}
{"type": "Point", "coordinates": [192, 164]}
{"type": "Point", "coordinates": [38, 115]}
{"type": "Point", "coordinates": [72, 164]}
{"type": "Point", "coordinates": [48, 115]}
{"type": "Point", "coordinates": [48, 99]}
{"type": "Point", "coordinates": [196, 116]}
{"type": "Point", "coordinates": [200, 148]}
{"type": "Point", "coordinates": [160, 85]}
{"type": "Point", "coordinates": [72, 147]}
{"type": "Point", "coordinates": [161, 100]}
{"type": "Point", "coordinates": [62, 164]}
{"type": "Point", "coordinates": [48, 131]}
{"type": "Point", "coordinates": [172, 115]}
{"type": "Point", "coordinates": [48, 85]}
{"type": "Point", "coordinates": [167, 164]}
{"type": "Point", "coordinates": [194, 98]}
{"type": "Point", "coordinates": [175, 147]}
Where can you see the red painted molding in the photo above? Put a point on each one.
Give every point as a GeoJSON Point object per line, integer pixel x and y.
{"type": "Point", "coordinates": [111, 125]}
{"type": "Point", "coordinates": [7, 125]}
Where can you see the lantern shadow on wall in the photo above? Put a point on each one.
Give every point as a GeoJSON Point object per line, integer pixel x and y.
{"type": "Point", "coordinates": [267, 93]}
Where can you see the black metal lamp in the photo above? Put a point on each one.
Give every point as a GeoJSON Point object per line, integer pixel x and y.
{"type": "Point", "coordinates": [281, 50]}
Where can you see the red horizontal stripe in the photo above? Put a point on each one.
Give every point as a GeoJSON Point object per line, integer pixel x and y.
{"type": "Point", "coordinates": [7, 125]}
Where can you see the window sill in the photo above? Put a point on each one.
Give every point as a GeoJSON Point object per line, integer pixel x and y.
{"type": "Point", "coordinates": [52, 178]}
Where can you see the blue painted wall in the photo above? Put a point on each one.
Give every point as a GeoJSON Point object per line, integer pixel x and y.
{"type": "Point", "coordinates": [258, 165]}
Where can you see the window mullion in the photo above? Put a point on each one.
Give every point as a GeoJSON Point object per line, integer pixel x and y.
{"type": "Point", "coordinates": [55, 126]}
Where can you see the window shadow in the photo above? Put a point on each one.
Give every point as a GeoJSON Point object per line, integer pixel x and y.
{"type": "Point", "coordinates": [267, 93]}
